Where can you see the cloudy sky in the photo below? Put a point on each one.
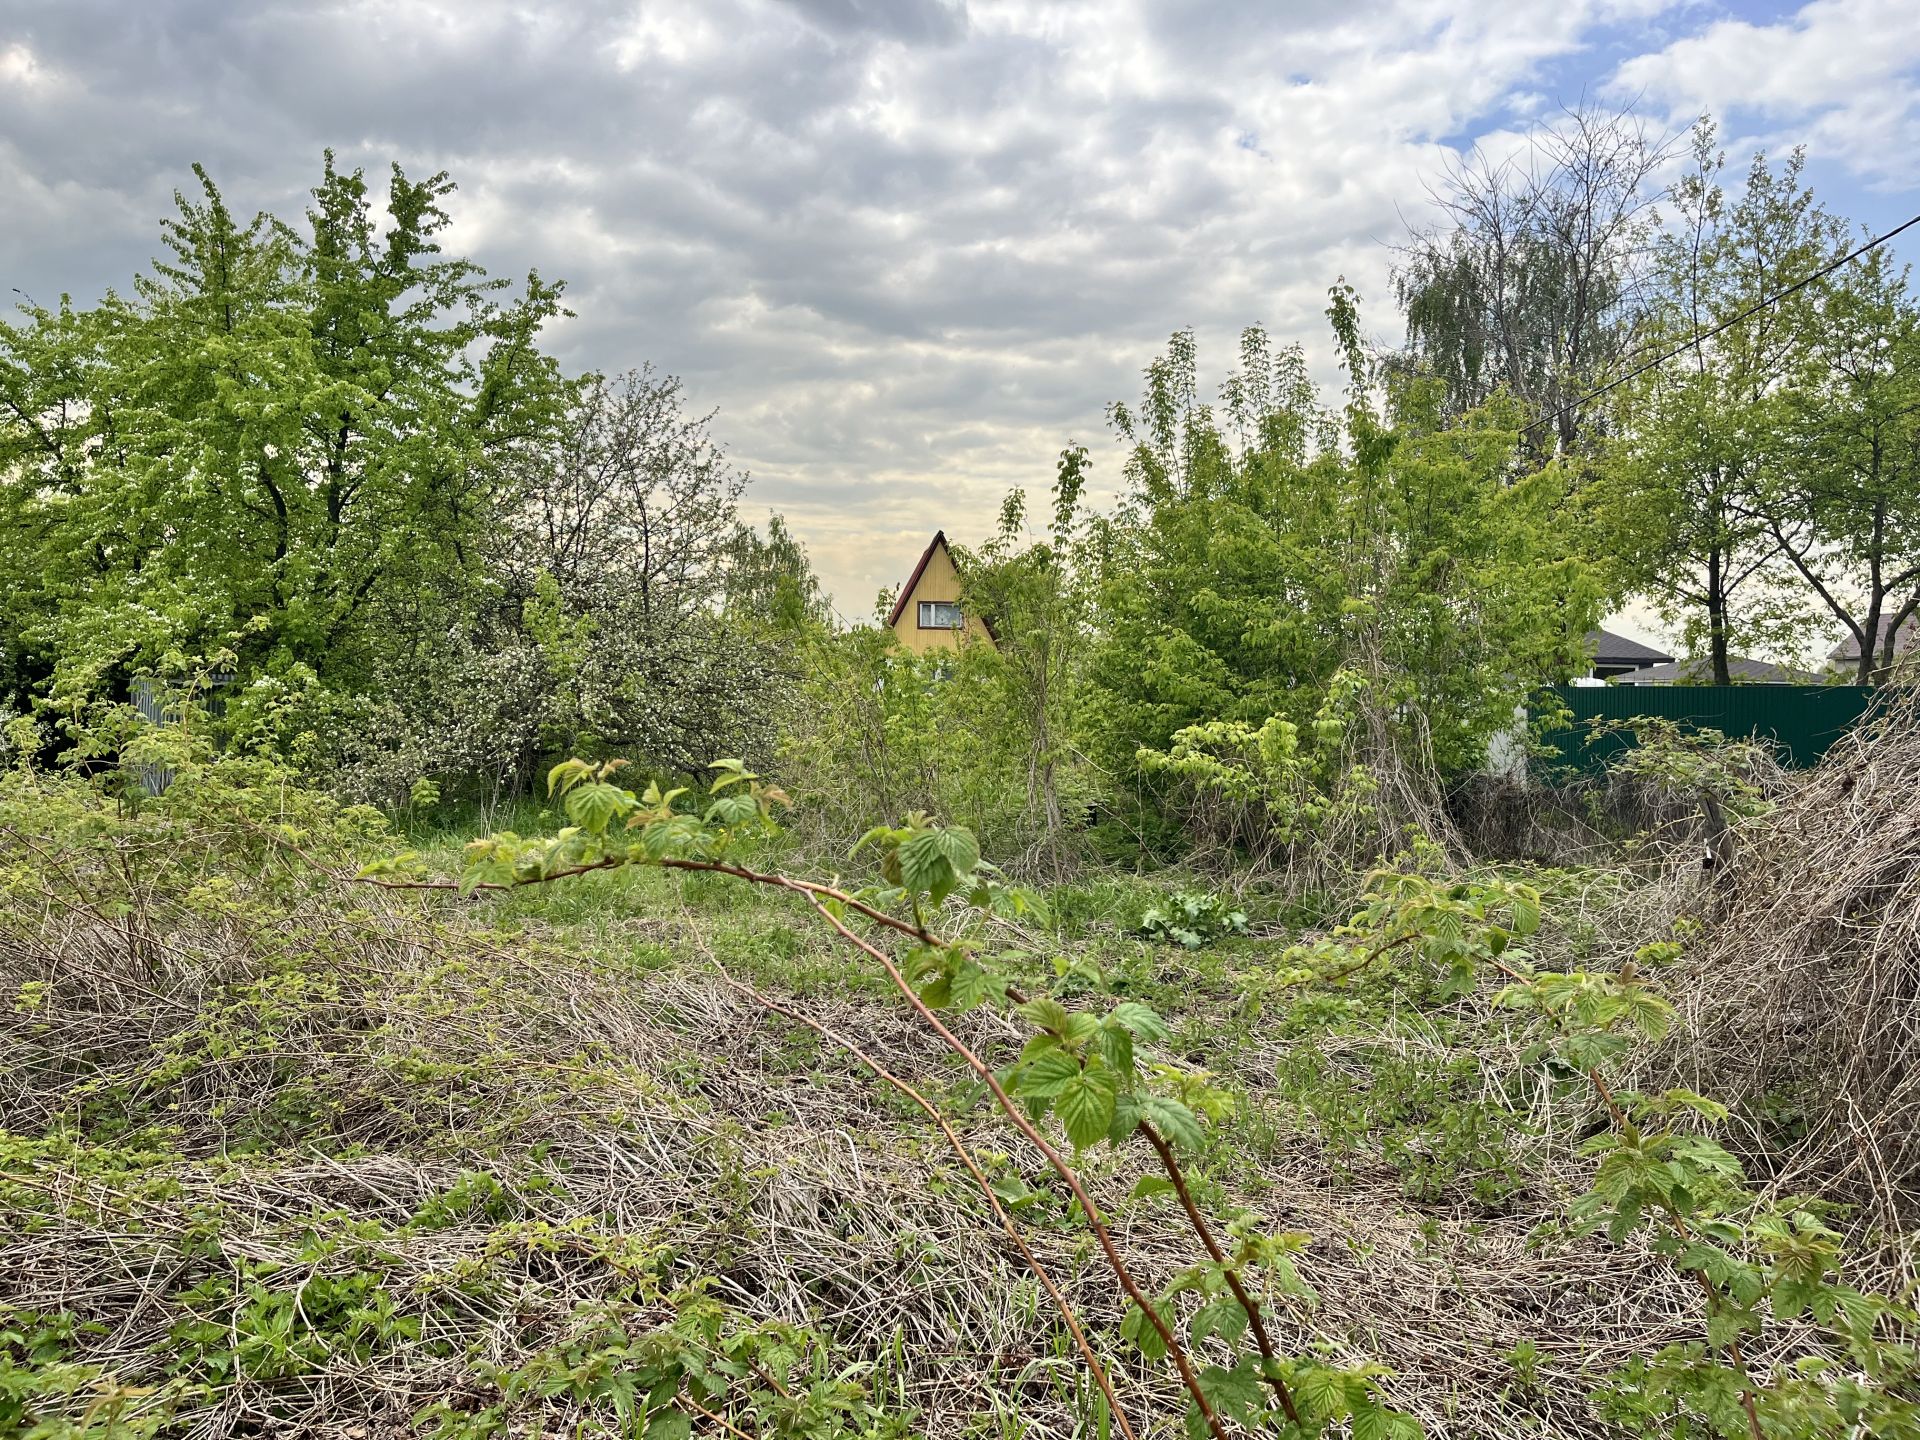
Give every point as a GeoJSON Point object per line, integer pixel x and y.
{"type": "Point", "coordinates": [909, 248]}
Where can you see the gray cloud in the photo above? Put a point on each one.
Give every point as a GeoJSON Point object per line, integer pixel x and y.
{"type": "Point", "coordinates": [908, 247]}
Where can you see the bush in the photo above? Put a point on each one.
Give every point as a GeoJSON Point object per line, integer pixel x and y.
{"type": "Point", "coordinates": [1192, 918]}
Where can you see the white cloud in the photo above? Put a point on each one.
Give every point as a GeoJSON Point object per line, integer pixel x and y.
{"type": "Point", "coordinates": [909, 247]}
{"type": "Point", "coordinates": [1841, 76]}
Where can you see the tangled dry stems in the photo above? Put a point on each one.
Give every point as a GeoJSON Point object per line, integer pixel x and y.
{"type": "Point", "coordinates": [666, 1108]}
{"type": "Point", "coordinates": [1804, 994]}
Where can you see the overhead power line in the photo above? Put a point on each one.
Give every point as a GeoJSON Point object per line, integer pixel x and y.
{"type": "Point", "coordinates": [1728, 324]}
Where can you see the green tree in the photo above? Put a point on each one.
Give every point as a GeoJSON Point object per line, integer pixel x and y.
{"type": "Point", "coordinates": [619, 603]}
{"type": "Point", "coordinates": [770, 584]}
{"type": "Point", "coordinates": [293, 425]}
{"type": "Point", "coordinates": [1701, 442]}
{"type": "Point", "coordinates": [1260, 565]}
{"type": "Point", "coordinates": [1036, 596]}
{"type": "Point", "coordinates": [1844, 509]}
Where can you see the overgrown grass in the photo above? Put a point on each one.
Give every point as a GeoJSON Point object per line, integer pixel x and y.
{"type": "Point", "coordinates": [283, 1152]}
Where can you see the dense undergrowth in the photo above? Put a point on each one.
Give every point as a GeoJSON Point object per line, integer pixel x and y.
{"type": "Point", "coordinates": [285, 1153]}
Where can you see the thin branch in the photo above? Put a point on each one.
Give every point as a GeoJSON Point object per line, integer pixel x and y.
{"type": "Point", "coordinates": [966, 1158]}
{"type": "Point", "coordinates": [1247, 1303]}
{"type": "Point", "coordinates": [1039, 1141]}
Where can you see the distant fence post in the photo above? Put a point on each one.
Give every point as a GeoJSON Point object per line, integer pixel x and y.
{"type": "Point", "coordinates": [158, 706]}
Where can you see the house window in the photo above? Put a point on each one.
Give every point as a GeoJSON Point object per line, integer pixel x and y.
{"type": "Point", "coordinates": [940, 615]}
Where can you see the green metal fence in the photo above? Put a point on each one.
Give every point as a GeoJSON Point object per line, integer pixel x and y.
{"type": "Point", "coordinates": [1801, 720]}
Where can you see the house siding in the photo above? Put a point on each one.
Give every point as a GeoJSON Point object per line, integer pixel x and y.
{"type": "Point", "coordinates": [937, 580]}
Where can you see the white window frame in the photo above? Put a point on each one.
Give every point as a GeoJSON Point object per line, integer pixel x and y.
{"type": "Point", "coordinates": [929, 612]}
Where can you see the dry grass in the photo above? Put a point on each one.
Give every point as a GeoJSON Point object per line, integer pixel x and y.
{"type": "Point", "coordinates": [667, 1110]}
{"type": "Point", "coordinates": [1804, 993]}
{"type": "Point", "coordinates": [317, 1070]}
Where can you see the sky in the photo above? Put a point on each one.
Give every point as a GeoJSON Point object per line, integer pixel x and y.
{"type": "Point", "coordinates": [908, 249]}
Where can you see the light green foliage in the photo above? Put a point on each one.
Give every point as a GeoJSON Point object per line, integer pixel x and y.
{"type": "Point", "coordinates": [1283, 788]}
{"type": "Point", "coordinates": [343, 456]}
{"type": "Point", "coordinates": [1192, 918]}
{"type": "Point", "coordinates": [1038, 596]}
{"type": "Point", "coordinates": [1701, 442]}
{"type": "Point", "coordinates": [1844, 506]}
{"type": "Point", "coordinates": [1266, 550]}
{"type": "Point", "coordinates": [877, 731]}
{"type": "Point", "coordinates": [1690, 762]}
{"type": "Point", "coordinates": [301, 426]}
{"type": "Point", "coordinates": [215, 1022]}
{"type": "Point", "coordinates": [1758, 1260]}
{"type": "Point", "coordinates": [1083, 1068]}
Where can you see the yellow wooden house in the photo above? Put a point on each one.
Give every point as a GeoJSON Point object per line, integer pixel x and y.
{"type": "Point", "coordinates": [927, 616]}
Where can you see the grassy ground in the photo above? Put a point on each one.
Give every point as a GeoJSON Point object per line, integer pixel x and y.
{"type": "Point", "coordinates": [282, 1154]}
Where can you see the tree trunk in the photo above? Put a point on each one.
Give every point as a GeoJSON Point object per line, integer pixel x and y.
{"type": "Point", "coordinates": [1717, 620]}
{"type": "Point", "coordinates": [1869, 666]}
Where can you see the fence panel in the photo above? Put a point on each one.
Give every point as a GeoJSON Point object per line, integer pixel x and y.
{"type": "Point", "coordinates": [1801, 720]}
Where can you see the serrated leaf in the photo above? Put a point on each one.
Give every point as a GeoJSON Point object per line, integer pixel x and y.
{"type": "Point", "coordinates": [1046, 1075]}
{"type": "Point", "coordinates": [733, 810]}
{"type": "Point", "coordinates": [1142, 1332]}
{"type": "Point", "coordinates": [961, 850]}
{"type": "Point", "coordinates": [595, 806]}
{"type": "Point", "coordinates": [1142, 1020]}
{"type": "Point", "coordinates": [1234, 1392]}
{"type": "Point", "coordinates": [1046, 1013]}
{"type": "Point", "coordinates": [1320, 1393]}
{"type": "Point", "coordinates": [1014, 1191]}
{"type": "Point", "coordinates": [1116, 1048]}
{"type": "Point", "coordinates": [567, 774]}
{"type": "Point", "coordinates": [1370, 1422]}
{"type": "Point", "coordinates": [1178, 1125]}
{"type": "Point", "coordinates": [937, 861]}
{"type": "Point", "coordinates": [1080, 1028]}
{"type": "Point", "coordinates": [1085, 1105]}
{"type": "Point", "coordinates": [1700, 1104]}
{"type": "Point", "coordinates": [975, 985]}
{"type": "Point", "coordinates": [732, 772]}
{"type": "Point", "coordinates": [1222, 1316]}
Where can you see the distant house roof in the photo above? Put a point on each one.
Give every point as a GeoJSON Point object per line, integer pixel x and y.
{"type": "Point", "coordinates": [1848, 649]}
{"type": "Point", "coordinates": [1700, 672]}
{"type": "Point", "coordinates": [934, 546]}
{"type": "Point", "coordinates": [906, 590]}
{"type": "Point", "coordinates": [1611, 649]}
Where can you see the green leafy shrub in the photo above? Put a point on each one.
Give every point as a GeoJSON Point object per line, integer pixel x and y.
{"type": "Point", "coordinates": [1192, 918]}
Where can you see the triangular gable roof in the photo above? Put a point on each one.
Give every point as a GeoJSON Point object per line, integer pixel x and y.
{"type": "Point", "coordinates": [939, 542]}
{"type": "Point", "coordinates": [1849, 648]}
{"type": "Point", "coordinates": [906, 591]}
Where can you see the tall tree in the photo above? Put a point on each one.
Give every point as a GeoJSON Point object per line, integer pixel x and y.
{"type": "Point", "coordinates": [276, 431]}
{"type": "Point", "coordinates": [1844, 508]}
{"type": "Point", "coordinates": [1253, 562]}
{"type": "Point", "coordinates": [1036, 594]}
{"type": "Point", "coordinates": [1532, 283]}
{"type": "Point", "coordinates": [1702, 439]}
